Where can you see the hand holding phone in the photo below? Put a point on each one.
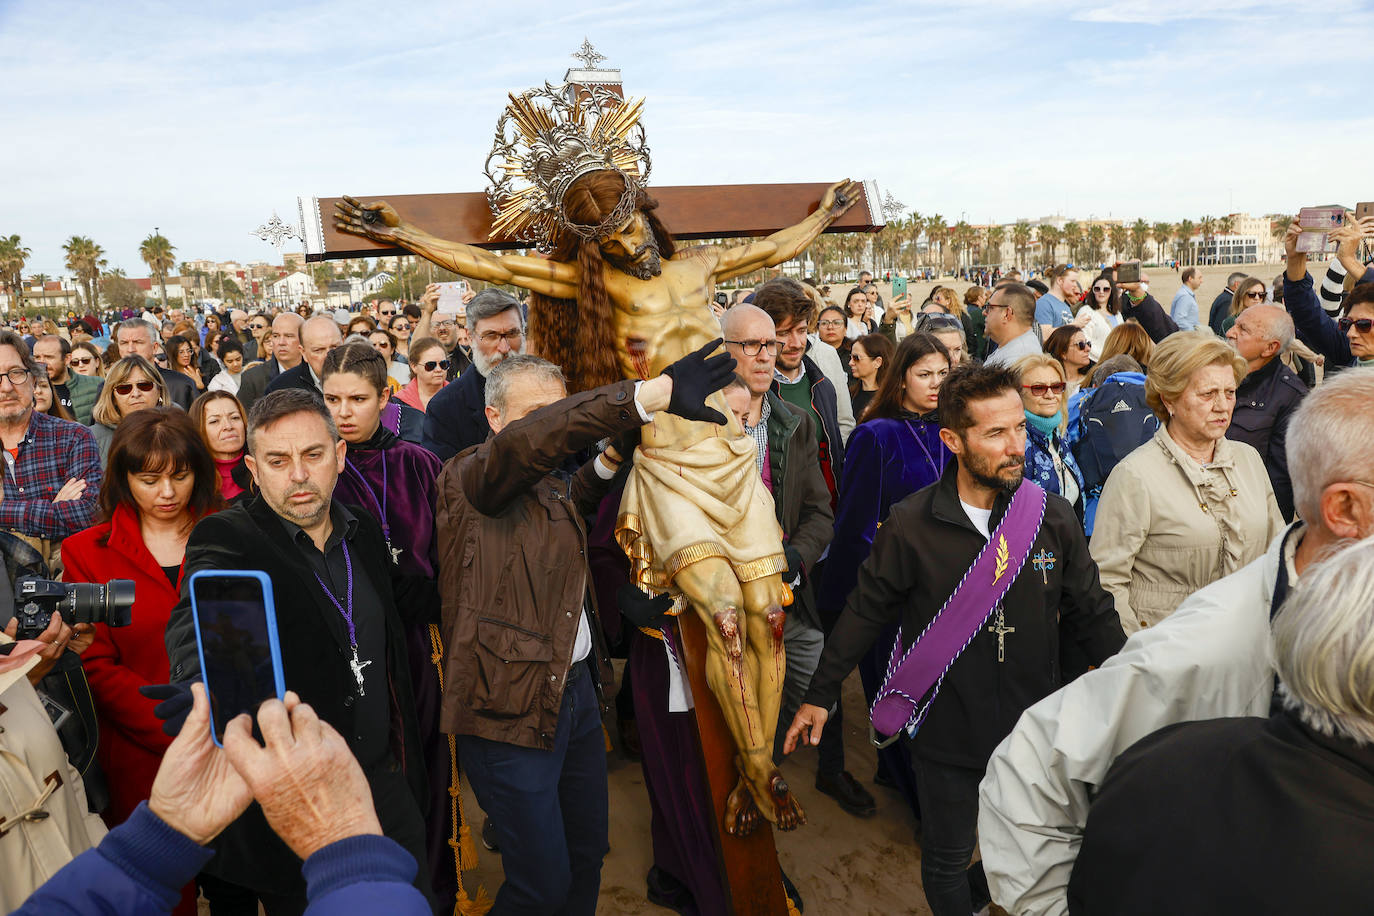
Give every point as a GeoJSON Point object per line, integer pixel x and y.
{"type": "Point", "coordinates": [236, 636]}
{"type": "Point", "coordinates": [1316, 224]}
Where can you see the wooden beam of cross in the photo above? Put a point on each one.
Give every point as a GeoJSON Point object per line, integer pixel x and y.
{"type": "Point", "coordinates": [689, 212]}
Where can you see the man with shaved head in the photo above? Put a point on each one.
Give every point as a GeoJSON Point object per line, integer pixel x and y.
{"type": "Point", "coordinates": [319, 335]}
{"type": "Point", "coordinates": [1269, 394]}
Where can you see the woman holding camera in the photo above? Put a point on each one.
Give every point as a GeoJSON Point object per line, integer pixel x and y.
{"type": "Point", "coordinates": [159, 482]}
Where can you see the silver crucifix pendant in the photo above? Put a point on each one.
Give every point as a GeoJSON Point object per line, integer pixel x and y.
{"type": "Point", "coordinates": [395, 554]}
{"type": "Point", "coordinates": [1000, 630]}
{"type": "Point", "coordinates": [357, 667]}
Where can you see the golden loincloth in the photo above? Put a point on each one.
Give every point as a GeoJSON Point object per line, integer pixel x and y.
{"type": "Point", "coordinates": [682, 506]}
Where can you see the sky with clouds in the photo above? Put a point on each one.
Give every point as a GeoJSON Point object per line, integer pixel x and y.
{"type": "Point", "coordinates": [202, 118]}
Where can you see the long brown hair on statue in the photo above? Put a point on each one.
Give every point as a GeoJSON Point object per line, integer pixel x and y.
{"type": "Point", "coordinates": [580, 336]}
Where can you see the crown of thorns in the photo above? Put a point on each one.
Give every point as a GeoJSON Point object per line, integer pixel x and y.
{"type": "Point", "coordinates": [546, 139]}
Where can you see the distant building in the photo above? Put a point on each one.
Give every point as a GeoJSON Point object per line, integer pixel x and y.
{"type": "Point", "coordinates": [292, 288]}
{"type": "Point", "coordinates": [374, 283]}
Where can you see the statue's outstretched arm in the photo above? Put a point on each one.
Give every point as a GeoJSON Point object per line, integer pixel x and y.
{"type": "Point", "coordinates": [380, 222]}
{"type": "Point", "coordinates": [786, 244]}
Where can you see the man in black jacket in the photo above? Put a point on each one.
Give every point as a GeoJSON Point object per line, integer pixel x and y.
{"type": "Point", "coordinates": [920, 556]}
{"type": "Point", "coordinates": [338, 599]}
{"type": "Point", "coordinates": [286, 354]}
{"type": "Point", "coordinates": [456, 418]}
{"type": "Point", "coordinates": [1137, 303]}
{"type": "Point", "coordinates": [319, 335]}
{"type": "Point", "coordinates": [1268, 395]}
{"type": "Point", "coordinates": [1221, 305]}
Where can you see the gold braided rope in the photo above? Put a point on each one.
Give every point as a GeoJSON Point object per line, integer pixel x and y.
{"type": "Point", "coordinates": [460, 838]}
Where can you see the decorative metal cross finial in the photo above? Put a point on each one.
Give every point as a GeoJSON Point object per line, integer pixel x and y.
{"type": "Point", "coordinates": [892, 207]}
{"type": "Point", "coordinates": [277, 232]}
{"type": "Point", "coordinates": [588, 55]}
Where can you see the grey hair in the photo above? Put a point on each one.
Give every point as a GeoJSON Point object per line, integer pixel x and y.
{"type": "Point", "coordinates": [1235, 278]}
{"type": "Point", "coordinates": [1323, 642]}
{"type": "Point", "coordinates": [1278, 326]}
{"type": "Point", "coordinates": [1330, 439]}
{"type": "Point", "coordinates": [504, 374]}
{"type": "Point", "coordinates": [9, 338]}
{"type": "Point", "coordinates": [276, 405]}
{"type": "Point", "coordinates": [137, 323]}
{"type": "Point", "coordinates": [489, 303]}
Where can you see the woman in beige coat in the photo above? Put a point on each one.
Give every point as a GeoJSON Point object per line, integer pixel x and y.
{"type": "Point", "coordinates": [1190, 506]}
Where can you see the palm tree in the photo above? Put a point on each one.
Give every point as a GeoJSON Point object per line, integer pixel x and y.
{"type": "Point", "coordinates": [1050, 237]}
{"type": "Point", "coordinates": [1097, 237]}
{"type": "Point", "coordinates": [1021, 240]}
{"type": "Point", "coordinates": [936, 233]}
{"type": "Point", "coordinates": [1161, 233]}
{"type": "Point", "coordinates": [1072, 236]}
{"type": "Point", "coordinates": [156, 251]}
{"type": "Point", "coordinates": [993, 239]}
{"type": "Point", "coordinates": [1208, 227]}
{"type": "Point", "coordinates": [13, 257]}
{"type": "Point", "coordinates": [1139, 231]}
{"type": "Point", "coordinates": [963, 235]}
{"type": "Point", "coordinates": [1278, 226]}
{"type": "Point", "coordinates": [1186, 230]}
{"type": "Point", "coordinates": [1119, 236]}
{"type": "Point", "coordinates": [86, 259]}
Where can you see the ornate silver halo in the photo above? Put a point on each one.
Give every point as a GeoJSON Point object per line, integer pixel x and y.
{"type": "Point", "coordinates": [546, 139]}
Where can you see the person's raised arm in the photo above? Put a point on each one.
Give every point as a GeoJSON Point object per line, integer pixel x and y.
{"type": "Point", "coordinates": [380, 222]}
{"type": "Point", "coordinates": [1348, 238]}
{"type": "Point", "coordinates": [1296, 267]}
{"type": "Point", "coordinates": [787, 243]}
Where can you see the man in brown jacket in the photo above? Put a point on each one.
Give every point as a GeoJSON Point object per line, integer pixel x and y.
{"type": "Point", "coordinates": [522, 686]}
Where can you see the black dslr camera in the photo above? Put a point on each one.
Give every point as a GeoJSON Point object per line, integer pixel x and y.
{"type": "Point", "coordinates": [35, 600]}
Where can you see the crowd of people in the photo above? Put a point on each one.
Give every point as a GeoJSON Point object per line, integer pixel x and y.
{"type": "Point", "coordinates": [436, 512]}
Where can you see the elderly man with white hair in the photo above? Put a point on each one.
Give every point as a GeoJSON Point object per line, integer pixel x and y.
{"type": "Point", "coordinates": [1270, 392]}
{"type": "Point", "coordinates": [1277, 809]}
{"type": "Point", "coordinates": [1211, 658]}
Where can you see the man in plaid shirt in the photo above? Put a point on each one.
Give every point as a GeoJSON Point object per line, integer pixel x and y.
{"type": "Point", "coordinates": [52, 467]}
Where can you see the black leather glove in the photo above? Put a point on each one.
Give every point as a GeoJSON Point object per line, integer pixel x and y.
{"type": "Point", "coordinates": [640, 609]}
{"type": "Point", "coordinates": [794, 564]}
{"type": "Point", "coordinates": [695, 378]}
{"type": "Point", "coordinates": [175, 705]}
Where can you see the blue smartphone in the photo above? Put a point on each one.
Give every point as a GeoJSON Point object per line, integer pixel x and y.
{"type": "Point", "coordinates": [236, 636]}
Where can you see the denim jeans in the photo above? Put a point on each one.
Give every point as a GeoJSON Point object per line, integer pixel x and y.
{"type": "Point", "coordinates": [548, 809]}
{"type": "Point", "coordinates": [949, 832]}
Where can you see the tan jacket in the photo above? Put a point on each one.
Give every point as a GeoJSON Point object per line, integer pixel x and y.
{"type": "Point", "coordinates": [1165, 527]}
{"type": "Point", "coordinates": [44, 823]}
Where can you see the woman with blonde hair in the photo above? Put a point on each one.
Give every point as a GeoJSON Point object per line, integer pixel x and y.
{"type": "Point", "coordinates": [1130, 339]}
{"type": "Point", "coordinates": [1049, 460]}
{"type": "Point", "coordinates": [86, 359]}
{"type": "Point", "coordinates": [131, 384]}
{"type": "Point", "coordinates": [1189, 506]}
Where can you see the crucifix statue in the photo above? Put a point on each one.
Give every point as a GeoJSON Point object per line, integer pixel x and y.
{"type": "Point", "coordinates": [613, 296]}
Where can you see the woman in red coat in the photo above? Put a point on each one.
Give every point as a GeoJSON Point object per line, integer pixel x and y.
{"type": "Point", "coordinates": [159, 482]}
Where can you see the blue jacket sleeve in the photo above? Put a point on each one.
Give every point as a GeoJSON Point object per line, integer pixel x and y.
{"type": "Point", "coordinates": [1314, 327]}
{"type": "Point", "coordinates": [362, 874]}
{"type": "Point", "coordinates": [138, 869]}
{"type": "Point", "coordinates": [856, 520]}
{"type": "Point", "coordinates": [439, 427]}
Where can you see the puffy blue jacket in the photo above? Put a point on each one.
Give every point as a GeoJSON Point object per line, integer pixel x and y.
{"type": "Point", "coordinates": [140, 867]}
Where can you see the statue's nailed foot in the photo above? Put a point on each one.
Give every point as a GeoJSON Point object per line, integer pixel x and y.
{"type": "Point", "coordinates": [742, 816]}
{"type": "Point", "coordinates": [788, 811]}
{"type": "Point", "coordinates": [749, 804]}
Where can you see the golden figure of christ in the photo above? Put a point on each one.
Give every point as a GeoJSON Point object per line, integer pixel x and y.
{"type": "Point", "coordinates": [696, 518]}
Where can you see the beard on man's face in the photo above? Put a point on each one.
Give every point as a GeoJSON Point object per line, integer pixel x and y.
{"type": "Point", "coordinates": [1005, 476]}
{"type": "Point", "coordinates": [645, 268]}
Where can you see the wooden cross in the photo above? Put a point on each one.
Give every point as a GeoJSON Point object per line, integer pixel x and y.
{"type": "Point", "coordinates": [1001, 629]}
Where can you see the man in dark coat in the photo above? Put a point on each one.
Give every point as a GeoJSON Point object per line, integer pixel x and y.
{"type": "Point", "coordinates": [338, 599]}
{"type": "Point", "coordinates": [1268, 395]}
{"type": "Point", "coordinates": [1225, 817]}
{"type": "Point", "coordinates": [920, 556]}
{"type": "Point", "coordinates": [319, 335]}
{"type": "Point", "coordinates": [286, 354]}
{"type": "Point", "coordinates": [456, 417]}
{"type": "Point", "coordinates": [137, 337]}
{"type": "Point", "coordinates": [1221, 305]}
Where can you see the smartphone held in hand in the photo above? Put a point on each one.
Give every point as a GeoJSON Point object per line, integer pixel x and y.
{"type": "Point", "coordinates": [236, 636]}
{"type": "Point", "coordinates": [451, 297]}
{"type": "Point", "coordinates": [1316, 224]}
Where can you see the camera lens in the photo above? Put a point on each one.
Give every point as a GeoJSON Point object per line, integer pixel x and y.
{"type": "Point", "coordinates": [111, 603]}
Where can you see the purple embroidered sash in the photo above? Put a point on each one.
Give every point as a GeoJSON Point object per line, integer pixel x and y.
{"type": "Point", "coordinates": [916, 676]}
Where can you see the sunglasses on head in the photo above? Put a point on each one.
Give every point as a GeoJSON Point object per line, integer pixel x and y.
{"type": "Point", "coordinates": [129, 386]}
{"type": "Point", "coordinates": [436, 364]}
{"type": "Point", "coordinates": [1040, 391]}
{"type": "Point", "coordinates": [1363, 325]}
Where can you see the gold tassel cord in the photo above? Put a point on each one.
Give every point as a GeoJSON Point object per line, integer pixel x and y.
{"type": "Point", "coordinates": [460, 837]}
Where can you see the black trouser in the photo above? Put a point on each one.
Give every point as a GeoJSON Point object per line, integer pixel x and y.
{"type": "Point", "coordinates": [949, 832]}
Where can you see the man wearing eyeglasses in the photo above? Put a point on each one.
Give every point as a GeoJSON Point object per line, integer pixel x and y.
{"type": "Point", "coordinates": [77, 393]}
{"type": "Point", "coordinates": [456, 418]}
{"type": "Point", "coordinates": [1010, 315]}
{"type": "Point", "coordinates": [52, 467]}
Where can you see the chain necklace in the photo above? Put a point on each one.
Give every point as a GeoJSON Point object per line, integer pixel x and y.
{"type": "Point", "coordinates": [379, 503]}
{"type": "Point", "coordinates": [345, 609]}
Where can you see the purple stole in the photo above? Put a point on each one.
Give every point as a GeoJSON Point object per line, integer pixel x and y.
{"type": "Point", "coordinates": [914, 677]}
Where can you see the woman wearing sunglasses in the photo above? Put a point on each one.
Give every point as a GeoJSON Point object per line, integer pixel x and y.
{"type": "Point", "coordinates": [132, 384]}
{"type": "Point", "coordinates": [428, 373]}
{"type": "Point", "coordinates": [86, 360]}
{"type": "Point", "coordinates": [1189, 506]}
{"type": "Point", "coordinates": [1049, 461]}
{"type": "Point", "coordinates": [1102, 305]}
{"type": "Point", "coordinates": [1250, 292]}
{"type": "Point", "coordinates": [1070, 346]}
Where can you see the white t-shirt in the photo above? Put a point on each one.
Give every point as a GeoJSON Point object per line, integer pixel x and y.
{"type": "Point", "coordinates": [981, 518]}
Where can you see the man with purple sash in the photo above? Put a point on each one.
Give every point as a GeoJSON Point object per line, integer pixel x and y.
{"type": "Point", "coordinates": [984, 573]}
